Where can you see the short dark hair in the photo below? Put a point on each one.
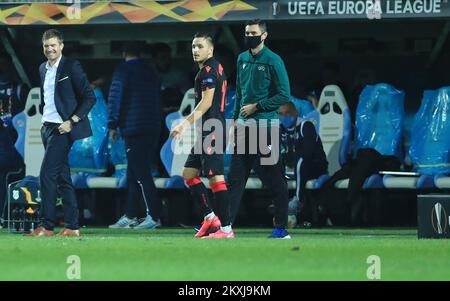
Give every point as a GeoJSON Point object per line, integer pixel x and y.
{"type": "Point", "coordinates": [132, 48]}
{"type": "Point", "coordinates": [205, 36]}
{"type": "Point", "coordinates": [262, 25]}
{"type": "Point", "coordinates": [53, 33]}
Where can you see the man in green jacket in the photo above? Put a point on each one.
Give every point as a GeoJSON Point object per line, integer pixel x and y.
{"type": "Point", "coordinates": [262, 86]}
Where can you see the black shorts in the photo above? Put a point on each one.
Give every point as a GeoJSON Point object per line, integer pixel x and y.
{"type": "Point", "coordinates": [209, 165]}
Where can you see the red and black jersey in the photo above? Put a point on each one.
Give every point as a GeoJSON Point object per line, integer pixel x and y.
{"type": "Point", "coordinates": [212, 76]}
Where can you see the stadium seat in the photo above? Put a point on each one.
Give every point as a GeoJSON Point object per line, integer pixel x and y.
{"type": "Point", "coordinates": [374, 181]}
{"type": "Point", "coordinates": [229, 110]}
{"type": "Point", "coordinates": [28, 126]}
{"type": "Point", "coordinates": [175, 152]}
{"type": "Point", "coordinates": [429, 150]}
{"type": "Point", "coordinates": [20, 124]}
{"type": "Point", "coordinates": [379, 126]}
{"type": "Point", "coordinates": [442, 181]}
{"type": "Point", "coordinates": [88, 157]}
{"type": "Point", "coordinates": [94, 152]}
{"type": "Point", "coordinates": [400, 182]}
{"type": "Point", "coordinates": [119, 160]}
{"type": "Point", "coordinates": [334, 130]}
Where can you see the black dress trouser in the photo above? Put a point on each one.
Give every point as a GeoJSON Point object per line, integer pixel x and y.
{"type": "Point", "coordinates": [272, 175]}
{"type": "Point", "coordinates": [55, 178]}
{"type": "Point", "coordinates": [141, 155]}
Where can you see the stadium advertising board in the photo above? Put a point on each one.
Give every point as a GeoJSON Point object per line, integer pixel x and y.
{"type": "Point", "coordinates": [122, 12]}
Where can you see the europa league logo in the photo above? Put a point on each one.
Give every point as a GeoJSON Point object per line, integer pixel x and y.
{"type": "Point", "coordinates": [275, 8]}
{"type": "Point", "coordinates": [439, 219]}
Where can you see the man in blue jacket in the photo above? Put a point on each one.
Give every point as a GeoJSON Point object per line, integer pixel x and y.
{"type": "Point", "coordinates": [135, 108]}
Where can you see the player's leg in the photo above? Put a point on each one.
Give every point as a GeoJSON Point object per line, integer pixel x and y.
{"type": "Point", "coordinates": [240, 167]}
{"type": "Point", "coordinates": [213, 165]}
{"type": "Point", "coordinates": [191, 176]}
{"type": "Point", "coordinates": [273, 177]}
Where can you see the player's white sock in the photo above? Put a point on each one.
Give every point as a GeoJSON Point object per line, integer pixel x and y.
{"type": "Point", "coordinates": [209, 216]}
{"type": "Point", "coordinates": [226, 229]}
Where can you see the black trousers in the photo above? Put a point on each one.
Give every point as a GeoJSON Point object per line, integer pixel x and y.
{"type": "Point", "coordinates": [141, 153]}
{"type": "Point", "coordinates": [305, 171]}
{"type": "Point", "coordinates": [272, 175]}
{"type": "Point", "coordinates": [367, 162]}
{"type": "Point", "coordinates": [55, 179]}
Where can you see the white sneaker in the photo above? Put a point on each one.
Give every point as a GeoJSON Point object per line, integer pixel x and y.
{"type": "Point", "coordinates": [148, 223]}
{"type": "Point", "coordinates": [125, 223]}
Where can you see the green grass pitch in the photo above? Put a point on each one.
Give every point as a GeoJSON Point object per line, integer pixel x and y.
{"type": "Point", "coordinates": [173, 254]}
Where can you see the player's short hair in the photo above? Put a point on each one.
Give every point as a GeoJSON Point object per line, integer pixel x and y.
{"type": "Point", "coordinates": [53, 33]}
{"type": "Point", "coordinates": [205, 36]}
{"type": "Point", "coordinates": [262, 25]}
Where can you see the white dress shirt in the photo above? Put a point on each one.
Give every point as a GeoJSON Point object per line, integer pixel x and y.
{"type": "Point", "coordinates": [50, 112]}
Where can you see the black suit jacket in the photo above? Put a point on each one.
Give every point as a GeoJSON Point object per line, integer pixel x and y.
{"type": "Point", "coordinates": [73, 95]}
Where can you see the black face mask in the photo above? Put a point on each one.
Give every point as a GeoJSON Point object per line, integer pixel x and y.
{"type": "Point", "coordinates": [252, 41]}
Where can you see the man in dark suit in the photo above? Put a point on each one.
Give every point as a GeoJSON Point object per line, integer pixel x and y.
{"type": "Point", "coordinates": [66, 99]}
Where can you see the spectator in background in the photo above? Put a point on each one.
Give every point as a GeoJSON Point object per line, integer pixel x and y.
{"type": "Point", "coordinates": [13, 94]}
{"type": "Point", "coordinates": [12, 101]}
{"type": "Point", "coordinates": [174, 82]}
{"type": "Point", "coordinates": [135, 108]}
{"type": "Point", "coordinates": [302, 151]}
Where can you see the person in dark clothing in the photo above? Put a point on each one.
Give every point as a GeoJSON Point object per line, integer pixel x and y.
{"type": "Point", "coordinates": [210, 94]}
{"type": "Point", "coordinates": [367, 162]}
{"type": "Point", "coordinates": [12, 101]}
{"type": "Point", "coordinates": [11, 165]}
{"type": "Point", "coordinates": [13, 94]}
{"type": "Point", "coordinates": [262, 86]}
{"type": "Point", "coordinates": [66, 99]}
{"type": "Point", "coordinates": [303, 151]}
{"type": "Point", "coordinates": [135, 109]}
